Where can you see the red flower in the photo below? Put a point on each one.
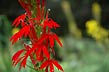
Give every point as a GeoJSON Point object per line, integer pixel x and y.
{"type": "Point", "coordinates": [17, 58]}
{"type": "Point", "coordinates": [33, 36]}
{"type": "Point", "coordinates": [23, 32]}
{"type": "Point", "coordinates": [51, 37]}
{"type": "Point", "coordinates": [41, 38]}
{"type": "Point", "coordinates": [19, 20]}
{"type": "Point", "coordinates": [28, 53]}
{"type": "Point", "coordinates": [50, 23]}
{"type": "Point", "coordinates": [27, 47]}
{"type": "Point", "coordinates": [42, 50]}
{"type": "Point", "coordinates": [50, 63]}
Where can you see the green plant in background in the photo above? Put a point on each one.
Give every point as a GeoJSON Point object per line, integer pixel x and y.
{"type": "Point", "coordinates": [74, 31]}
{"type": "Point", "coordinates": [5, 30]}
{"type": "Point", "coordinates": [96, 11]}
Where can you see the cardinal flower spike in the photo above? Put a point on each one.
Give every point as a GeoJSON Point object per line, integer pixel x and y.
{"type": "Point", "coordinates": [36, 26]}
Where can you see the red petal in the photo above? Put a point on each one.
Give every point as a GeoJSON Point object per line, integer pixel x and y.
{"type": "Point", "coordinates": [42, 12]}
{"type": "Point", "coordinates": [47, 24]}
{"type": "Point", "coordinates": [23, 24]}
{"type": "Point", "coordinates": [38, 9]}
{"type": "Point", "coordinates": [57, 39]}
{"type": "Point", "coordinates": [57, 65]}
{"type": "Point", "coordinates": [17, 54]}
{"type": "Point", "coordinates": [33, 36]}
{"type": "Point", "coordinates": [51, 41]}
{"type": "Point", "coordinates": [40, 58]}
{"type": "Point", "coordinates": [19, 19]}
{"type": "Point", "coordinates": [43, 37]}
{"type": "Point", "coordinates": [50, 23]}
{"type": "Point", "coordinates": [38, 52]}
{"type": "Point", "coordinates": [24, 31]}
{"type": "Point", "coordinates": [31, 57]}
{"type": "Point", "coordinates": [54, 24]}
{"type": "Point", "coordinates": [38, 2]}
{"type": "Point", "coordinates": [45, 64]}
{"type": "Point", "coordinates": [51, 67]}
{"type": "Point", "coordinates": [14, 38]}
{"type": "Point", "coordinates": [15, 63]}
{"type": "Point", "coordinates": [23, 63]}
{"type": "Point", "coordinates": [43, 3]}
{"type": "Point", "coordinates": [45, 51]}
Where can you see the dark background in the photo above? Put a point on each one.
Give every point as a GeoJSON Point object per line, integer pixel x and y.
{"type": "Point", "coordinates": [80, 9]}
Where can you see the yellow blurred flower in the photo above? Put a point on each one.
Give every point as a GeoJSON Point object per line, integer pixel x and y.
{"type": "Point", "coordinates": [103, 33]}
{"type": "Point", "coordinates": [15, 30]}
{"type": "Point", "coordinates": [95, 30]}
{"type": "Point", "coordinates": [92, 26]}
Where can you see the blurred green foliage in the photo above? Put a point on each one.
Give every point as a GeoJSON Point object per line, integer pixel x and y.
{"type": "Point", "coordinates": [5, 31]}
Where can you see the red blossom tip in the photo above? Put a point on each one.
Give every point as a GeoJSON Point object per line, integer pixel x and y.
{"type": "Point", "coordinates": [16, 56]}
{"type": "Point", "coordinates": [49, 63]}
{"type": "Point", "coordinates": [23, 32]}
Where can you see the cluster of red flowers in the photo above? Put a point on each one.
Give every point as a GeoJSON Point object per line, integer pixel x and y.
{"type": "Point", "coordinates": [36, 26]}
